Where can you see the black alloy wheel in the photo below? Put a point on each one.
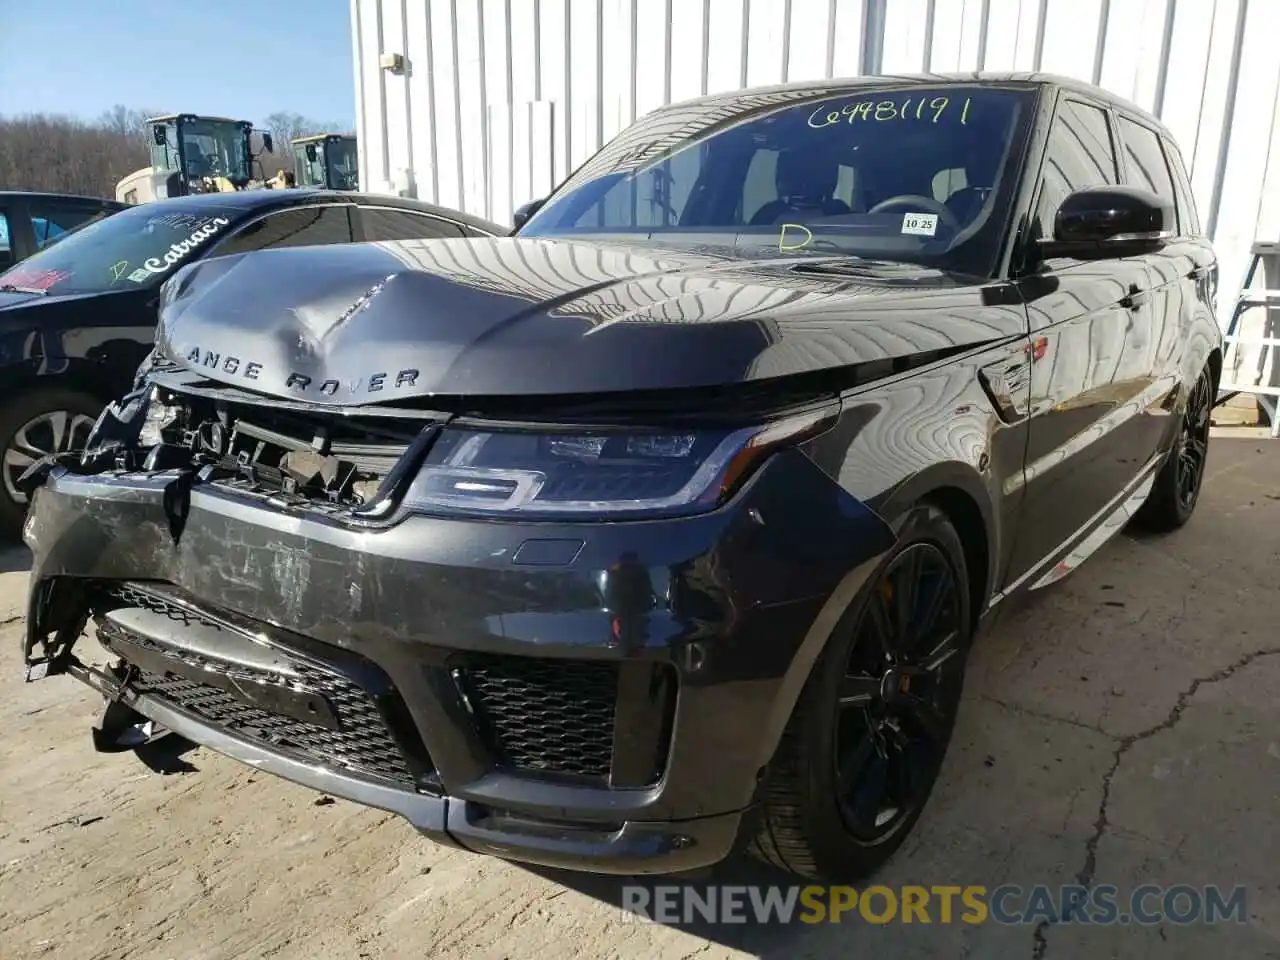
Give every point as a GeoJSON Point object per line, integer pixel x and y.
{"type": "Point", "coordinates": [899, 694]}
{"type": "Point", "coordinates": [1176, 490]}
{"type": "Point", "coordinates": [866, 740]}
{"type": "Point", "coordinates": [1193, 442]}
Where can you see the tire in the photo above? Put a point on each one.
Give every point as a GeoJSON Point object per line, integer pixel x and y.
{"type": "Point", "coordinates": [30, 424]}
{"type": "Point", "coordinates": [1176, 491]}
{"type": "Point", "coordinates": [814, 800]}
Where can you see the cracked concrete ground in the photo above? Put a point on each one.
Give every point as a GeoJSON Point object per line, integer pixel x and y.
{"type": "Point", "coordinates": [1121, 728]}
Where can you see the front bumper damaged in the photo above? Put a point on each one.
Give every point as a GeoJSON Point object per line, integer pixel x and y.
{"type": "Point", "coordinates": [590, 696]}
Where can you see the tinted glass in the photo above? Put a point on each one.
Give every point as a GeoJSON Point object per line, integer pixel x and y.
{"type": "Point", "coordinates": [1188, 216]}
{"type": "Point", "coordinates": [1144, 160]}
{"type": "Point", "coordinates": [383, 224]}
{"type": "Point", "coordinates": [911, 173]}
{"type": "Point", "coordinates": [139, 246]}
{"type": "Point", "coordinates": [308, 226]}
{"type": "Point", "coordinates": [1079, 155]}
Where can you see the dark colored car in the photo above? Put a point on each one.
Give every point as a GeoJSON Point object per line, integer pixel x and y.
{"type": "Point", "coordinates": [665, 524]}
{"type": "Point", "coordinates": [77, 318]}
{"type": "Point", "coordinates": [29, 222]}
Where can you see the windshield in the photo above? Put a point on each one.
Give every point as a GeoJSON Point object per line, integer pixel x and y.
{"type": "Point", "coordinates": [921, 174]}
{"type": "Point", "coordinates": [340, 155]}
{"type": "Point", "coordinates": [137, 247]}
{"type": "Point", "coordinates": [210, 148]}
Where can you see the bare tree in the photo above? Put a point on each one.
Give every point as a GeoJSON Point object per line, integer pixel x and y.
{"type": "Point", "coordinates": [65, 155]}
{"type": "Point", "coordinates": [68, 155]}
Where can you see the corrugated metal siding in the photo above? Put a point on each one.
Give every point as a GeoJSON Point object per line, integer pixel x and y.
{"type": "Point", "coordinates": [500, 99]}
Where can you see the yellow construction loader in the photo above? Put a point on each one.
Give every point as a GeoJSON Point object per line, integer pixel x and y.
{"type": "Point", "coordinates": [193, 154]}
{"type": "Point", "coordinates": [327, 161]}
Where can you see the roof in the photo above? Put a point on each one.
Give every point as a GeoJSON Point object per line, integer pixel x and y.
{"type": "Point", "coordinates": [198, 116]}
{"type": "Point", "coordinates": [243, 201]}
{"type": "Point", "coordinates": [838, 85]}
{"type": "Point", "coordinates": [317, 137]}
{"type": "Point", "coordinates": [43, 195]}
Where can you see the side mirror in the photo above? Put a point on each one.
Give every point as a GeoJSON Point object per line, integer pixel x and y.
{"type": "Point", "coordinates": [158, 134]}
{"type": "Point", "coordinates": [522, 214]}
{"type": "Point", "coordinates": [267, 144]}
{"type": "Point", "coordinates": [1109, 221]}
{"type": "Point", "coordinates": [311, 152]}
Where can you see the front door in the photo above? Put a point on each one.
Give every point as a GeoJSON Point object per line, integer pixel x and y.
{"type": "Point", "coordinates": [1091, 324]}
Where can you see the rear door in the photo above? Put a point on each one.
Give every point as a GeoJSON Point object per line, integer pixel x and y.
{"type": "Point", "coordinates": [1180, 271]}
{"type": "Point", "coordinates": [1090, 324]}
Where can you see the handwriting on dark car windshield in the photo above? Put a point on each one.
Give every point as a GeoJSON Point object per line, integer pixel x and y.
{"type": "Point", "coordinates": [927, 109]}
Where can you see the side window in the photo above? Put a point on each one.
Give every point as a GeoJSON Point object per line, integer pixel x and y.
{"type": "Point", "coordinates": [1188, 217]}
{"type": "Point", "coordinates": [380, 223]}
{"type": "Point", "coordinates": [49, 220]}
{"type": "Point", "coordinates": [7, 255]}
{"type": "Point", "coordinates": [300, 227]}
{"type": "Point", "coordinates": [1079, 155]}
{"type": "Point", "coordinates": [655, 198]}
{"type": "Point", "coordinates": [1144, 160]}
{"type": "Point", "coordinates": [760, 184]}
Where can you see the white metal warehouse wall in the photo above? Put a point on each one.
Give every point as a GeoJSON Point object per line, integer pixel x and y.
{"type": "Point", "coordinates": [496, 100]}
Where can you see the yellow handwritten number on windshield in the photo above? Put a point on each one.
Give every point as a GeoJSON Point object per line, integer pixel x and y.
{"type": "Point", "coordinates": [927, 109]}
{"type": "Point", "coordinates": [118, 269]}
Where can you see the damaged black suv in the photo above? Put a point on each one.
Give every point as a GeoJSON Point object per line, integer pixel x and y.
{"type": "Point", "coordinates": [663, 525]}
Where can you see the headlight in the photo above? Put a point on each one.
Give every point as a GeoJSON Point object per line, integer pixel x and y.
{"type": "Point", "coordinates": [590, 472]}
{"type": "Point", "coordinates": [159, 415]}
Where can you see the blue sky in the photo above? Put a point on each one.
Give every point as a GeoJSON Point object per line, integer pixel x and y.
{"type": "Point", "coordinates": [234, 58]}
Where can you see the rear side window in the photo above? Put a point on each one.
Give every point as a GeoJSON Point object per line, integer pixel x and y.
{"type": "Point", "coordinates": [308, 226]}
{"type": "Point", "coordinates": [384, 224]}
{"type": "Point", "coordinates": [1080, 154]}
{"type": "Point", "coordinates": [1144, 160]}
{"type": "Point", "coordinates": [1188, 216]}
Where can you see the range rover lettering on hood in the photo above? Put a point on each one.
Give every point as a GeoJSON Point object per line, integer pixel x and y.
{"type": "Point", "coordinates": [295, 382]}
{"type": "Point", "coordinates": [361, 323]}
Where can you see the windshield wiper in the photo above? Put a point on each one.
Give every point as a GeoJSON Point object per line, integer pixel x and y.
{"type": "Point", "coordinates": [14, 288]}
{"type": "Point", "coordinates": [849, 265]}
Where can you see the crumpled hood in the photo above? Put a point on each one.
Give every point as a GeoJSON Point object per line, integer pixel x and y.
{"type": "Point", "coordinates": [380, 322]}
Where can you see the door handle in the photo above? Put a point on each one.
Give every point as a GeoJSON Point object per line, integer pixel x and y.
{"type": "Point", "coordinates": [1135, 298]}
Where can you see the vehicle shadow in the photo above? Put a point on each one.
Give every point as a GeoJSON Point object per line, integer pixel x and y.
{"type": "Point", "coordinates": [760, 937]}
{"type": "Point", "coordinates": [167, 754]}
{"type": "Point", "coordinates": [14, 558]}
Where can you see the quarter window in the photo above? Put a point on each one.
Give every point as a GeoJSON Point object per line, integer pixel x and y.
{"type": "Point", "coordinates": [1080, 155]}
{"type": "Point", "coordinates": [1145, 160]}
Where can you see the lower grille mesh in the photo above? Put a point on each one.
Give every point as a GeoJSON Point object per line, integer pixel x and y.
{"type": "Point", "coordinates": [545, 715]}
{"type": "Point", "coordinates": [363, 741]}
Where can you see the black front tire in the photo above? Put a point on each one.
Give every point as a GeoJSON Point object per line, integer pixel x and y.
{"type": "Point", "coordinates": [1176, 492]}
{"type": "Point", "coordinates": [31, 423]}
{"type": "Point", "coordinates": [808, 820]}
